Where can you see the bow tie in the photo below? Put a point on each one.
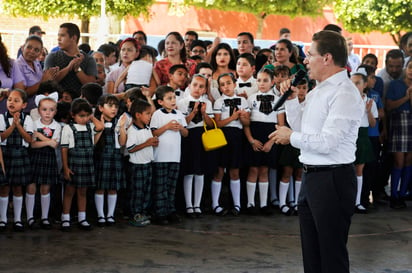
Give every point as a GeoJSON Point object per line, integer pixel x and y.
{"type": "Point", "coordinates": [178, 92]}
{"type": "Point", "coordinates": [54, 96]}
{"type": "Point", "coordinates": [265, 103]}
{"type": "Point", "coordinates": [232, 103]}
{"type": "Point", "coordinates": [246, 84]}
{"type": "Point", "coordinates": [198, 117]}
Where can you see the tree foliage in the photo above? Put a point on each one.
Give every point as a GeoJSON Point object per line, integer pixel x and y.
{"type": "Point", "coordinates": [80, 8]}
{"type": "Point", "coordinates": [387, 16]}
{"type": "Point", "coordinates": [281, 7]}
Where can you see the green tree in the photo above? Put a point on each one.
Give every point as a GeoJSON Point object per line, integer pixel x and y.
{"type": "Point", "coordinates": [265, 7]}
{"type": "Point", "coordinates": [387, 16]}
{"type": "Point", "coordinates": [83, 9]}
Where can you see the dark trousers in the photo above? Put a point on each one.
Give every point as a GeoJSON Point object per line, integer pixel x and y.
{"type": "Point", "coordinates": [326, 205]}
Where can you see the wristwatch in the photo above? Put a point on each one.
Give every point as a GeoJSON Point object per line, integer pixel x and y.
{"type": "Point", "coordinates": [79, 69]}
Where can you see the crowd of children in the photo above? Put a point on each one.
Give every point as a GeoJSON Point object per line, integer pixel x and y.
{"type": "Point", "coordinates": [149, 141]}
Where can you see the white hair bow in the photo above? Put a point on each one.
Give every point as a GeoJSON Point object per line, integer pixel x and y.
{"type": "Point", "coordinates": [54, 96]}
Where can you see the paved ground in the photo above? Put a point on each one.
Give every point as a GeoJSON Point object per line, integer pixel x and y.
{"type": "Point", "coordinates": [379, 242]}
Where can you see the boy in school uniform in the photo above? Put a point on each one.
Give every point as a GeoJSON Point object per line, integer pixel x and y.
{"type": "Point", "coordinates": [169, 125]}
{"type": "Point", "coordinates": [178, 79]}
{"type": "Point", "coordinates": [245, 68]}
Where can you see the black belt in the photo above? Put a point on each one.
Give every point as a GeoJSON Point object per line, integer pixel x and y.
{"type": "Point", "coordinates": [323, 168]}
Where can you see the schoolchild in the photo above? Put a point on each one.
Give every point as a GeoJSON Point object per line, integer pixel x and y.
{"type": "Point", "coordinates": [140, 143]}
{"type": "Point", "coordinates": [177, 79]}
{"type": "Point", "coordinates": [197, 110]}
{"type": "Point", "coordinates": [262, 152]}
{"type": "Point", "coordinates": [231, 114]}
{"type": "Point", "coordinates": [245, 68]}
{"type": "Point", "coordinates": [281, 73]}
{"type": "Point", "coordinates": [169, 125]}
{"type": "Point", "coordinates": [108, 158]}
{"type": "Point", "coordinates": [292, 168]}
{"type": "Point", "coordinates": [364, 150]}
{"type": "Point", "coordinates": [46, 139]}
{"type": "Point", "coordinates": [91, 92]}
{"type": "Point", "coordinates": [77, 144]}
{"type": "Point", "coordinates": [205, 69]}
{"type": "Point", "coordinates": [46, 89]}
{"type": "Point", "coordinates": [16, 129]}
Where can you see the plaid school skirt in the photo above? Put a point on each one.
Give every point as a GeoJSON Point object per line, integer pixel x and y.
{"type": "Point", "coordinates": [44, 163]}
{"type": "Point", "coordinates": [400, 132]}
{"type": "Point", "coordinates": [109, 170]}
{"type": "Point", "coordinates": [17, 165]}
{"type": "Point", "coordinates": [82, 165]}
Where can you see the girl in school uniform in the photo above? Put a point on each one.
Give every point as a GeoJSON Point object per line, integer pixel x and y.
{"type": "Point", "coordinates": [16, 134]}
{"type": "Point", "coordinates": [77, 144]}
{"type": "Point", "coordinates": [46, 139]}
{"type": "Point", "coordinates": [108, 164]}
{"type": "Point", "coordinates": [364, 151]}
{"type": "Point", "coordinates": [197, 110]}
{"type": "Point", "coordinates": [261, 151]}
{"type": "Point", "coordinates": [231, 114]}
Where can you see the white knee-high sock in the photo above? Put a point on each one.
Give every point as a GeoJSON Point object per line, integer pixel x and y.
{"type": "Point", "coordinates": [187, 187]}
{"type": "Point", "coordinates": [297, 190]}
{"type": "Point", "coordinates": [263, 193]}
{"type": "Point", "coordinates": [359, 192]}
{"type": "Point", "coordinates": [283, 191]}
{"type": "Point", "coordinates": [235, 189]}
{"type": "Point", "coordinates": [29, 205]}
{"type": "Point", "coordinates": [45, 205]}
{"type": "Point", "coordinates": [99, 202]}
{"type": "Point", "coordinates": [66, 217]}
{"type": "Point", "coordinates": [251, 189]}
{"type": "Point", "coordinates": [4, 203]}
{"type": "Point", "coordinates": [111, 204]}
{"type": "Point", "coordinates": [273, 176]}
{"type": "Point", "coordinates": [215, 187]}
{"type": "Point", "coordinates": [199, 182]}
{"type": "Point", "coordinates": [17, 206]}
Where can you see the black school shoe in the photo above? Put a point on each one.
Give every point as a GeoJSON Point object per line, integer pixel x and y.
{"type": "Point", "coordinates": [18, 226]}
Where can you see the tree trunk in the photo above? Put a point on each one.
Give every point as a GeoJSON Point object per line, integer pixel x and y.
{"type": "Point", "coordinates": [396, 38]}
{"type": "Point", "coordinates": [261, 20]}
{"type": "Point", "coordinates": [85, 29]}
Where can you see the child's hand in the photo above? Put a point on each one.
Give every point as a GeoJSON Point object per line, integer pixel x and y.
{"type": "Point", "coordinates": [16, 118]}
{"type": "Point", "coordinates": [267, 146]}
{"type": "Point", "coordinates": [67, 173]}
{"type": "Point", "coordinates": [146, 92]}
{"type": "Point", "coordinates": [244, 94]}
{"type": "Point", "coordinates": [203, 108]}
{"type": "Point", "coordinates": [257, 145]}
{"type": "Point", "coordinates": [98, 124]}
{"type": "Point", "coordinates": [174, 125]}
{"type": "Point", "coordinates": [122, 120]}
{"type": "Point", "coordinates": [235, 114]}
{"type": "Point", "coordinates": [196, 107]}
{"type": "Point", "coordinates": [53, 143]}
{"type": "Point", "coordinates": [153, 141]}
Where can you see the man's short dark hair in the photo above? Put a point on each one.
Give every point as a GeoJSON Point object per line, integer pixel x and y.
{"type": "Point", "coordinates": [283, 31]}
{"type": "Point", "coordinates": [198, 43]}
{"type": "Point", "coordinates": [192, 33]}
{"type": "Point", "coordinates": [394, 54]}
{"type": "Point", "coordinates": [333, 43]}
{"type": "Point", "coordinates": [72, 30]}
{"type": "Point", "coordinates": [141, 32]}
{"type": "Point", "coordinates": [107, 49]}
{"type": "Point", "coordinates": [248, 34]}
{"type": "Point", "coordinates": [333, 27]}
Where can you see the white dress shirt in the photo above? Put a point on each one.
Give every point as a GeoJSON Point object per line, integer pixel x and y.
{"type": "Point", "coordinates": [325, 127]}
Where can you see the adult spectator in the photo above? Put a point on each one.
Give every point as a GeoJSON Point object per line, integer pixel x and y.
{"type": "Point", "coordinates": [10, 75]}
{"type": "Point", "coordinates": [326, 138]}
{"type": "Point", "coordinates": [76, 67]}
{"type": "Point", "coordinates": [245, 42]}
{"type": "Point", "coordinates": [393, 69]}
{"type": "Point", "coordinates": [140, 37]}
{"type": "Point", "coordinates": [176, 54]}
{"type": "Point", "coordinates": [407, 50]}
{"type": "Point", "coordinates": [284, 33]}
{"type": "Point", "coordinates": [34, 30]}
{"type": "Point", "coordinates": [190, 36]}
{"type": "Point", "coordinates": [333, 27]}
{"type": "Point", "coordinates": [285, 55]}
{"type": "Point", "coordinates": [353, 59]}
{"type": "Point", "coordinates": [32, 70]}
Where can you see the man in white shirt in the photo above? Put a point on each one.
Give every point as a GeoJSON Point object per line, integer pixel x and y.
{"type": "Point", "coordinates": [325, 130]}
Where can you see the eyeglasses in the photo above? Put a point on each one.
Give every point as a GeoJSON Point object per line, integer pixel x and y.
{"type": "Point", "coordinates": [198, 51]}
